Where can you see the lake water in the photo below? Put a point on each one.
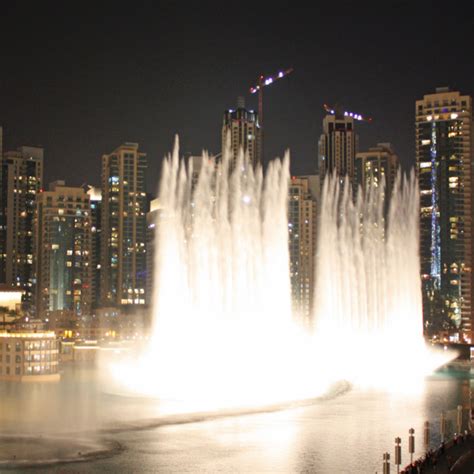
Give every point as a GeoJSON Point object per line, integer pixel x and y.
{"type": "Point", "coordinates": [346, 432]}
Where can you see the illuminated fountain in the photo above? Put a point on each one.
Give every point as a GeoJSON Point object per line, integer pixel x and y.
{"type": "Point", "coordinates": [223, 334]}
{"type": "Point", "coordinates": [368, 296]}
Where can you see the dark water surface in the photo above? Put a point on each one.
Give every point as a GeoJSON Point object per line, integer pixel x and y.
{"type": "Point", "coordinates": [346, 432]}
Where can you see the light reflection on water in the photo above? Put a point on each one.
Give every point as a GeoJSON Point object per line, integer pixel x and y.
{"type": "Point", "coordinates": [348, 433]}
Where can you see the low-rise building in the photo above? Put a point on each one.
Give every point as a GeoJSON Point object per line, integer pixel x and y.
{"type": "Point", "coordinates": [28, 356]}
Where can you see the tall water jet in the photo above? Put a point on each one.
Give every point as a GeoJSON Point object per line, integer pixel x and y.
{"type": "Point", "coordinates": [223, 333]}
{"type": "Point", "coordinates": [368, 293]}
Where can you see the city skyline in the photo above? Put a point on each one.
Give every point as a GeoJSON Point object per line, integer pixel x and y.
{"type": "Point", "coordinates": [97, 88]}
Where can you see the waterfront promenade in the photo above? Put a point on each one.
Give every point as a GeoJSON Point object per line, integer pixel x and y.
{"type": "Point", "coordinates": [455, 457]}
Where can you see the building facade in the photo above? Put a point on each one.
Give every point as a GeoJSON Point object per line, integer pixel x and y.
{"type": "Point", "coordinates": [302, 214]}
{"type": "Point", "coordinates": [123, 247]}
{"type": "Point", "coordinates": [241, 127]}
{"type": "Point", "coordinates": [63, 265]}
{"type": "Point", "coordinates": [445, 171]}
{"type": "Point", "coordinates": [337, 146]}
{"type": "Point", "coordinates": [21, 180]}
{"type": "Point", "coordinates": [378, 165]}
{"type": "Point", "coordinates": [152, 220]}
{"type": "Point", "coordinates": [28, 356]}
{"type": "Point", "coordinates": [95, 198]}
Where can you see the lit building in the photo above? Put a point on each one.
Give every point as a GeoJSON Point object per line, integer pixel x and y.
{"type": "Point", "coordinates": [302, 210]}
{"type": "Point", "coordinates": [63, 266]}
{"type": "Point", "coordinates": [3, 211]}
{"type": "Point", "coordinates": [95, 198]}
{"type": "Point", "coordinates": [152, 222]}
{"type": "Point", "coordinates": [123, 251]}
{"type": "Point", "coordinates": [337, 145]}
{"type": "Point", "coordinates": [242, 128]}
{"type": "Point", "coordinates": [21, 178]}
{"type": "Point", "coordinates": [10, 298]}
{"type": "Point", "coordinates": [26, 356]}
{"type": "Point", "coordinates": [444, 164]}
{"type": "Point", "coordinates": [378, 164]}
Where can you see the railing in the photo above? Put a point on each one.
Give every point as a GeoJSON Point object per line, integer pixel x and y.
{"type": "Point", "coordinates": [447, 421]}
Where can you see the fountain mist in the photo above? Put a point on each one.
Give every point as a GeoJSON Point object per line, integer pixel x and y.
{"type": "Point", "coordinates": [224, 335]}
{"type": "Point", "coordinates": [368, 295]}
{"type": "Point", "coordinates": [223, 331]}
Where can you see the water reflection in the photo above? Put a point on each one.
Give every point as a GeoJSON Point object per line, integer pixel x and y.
{"type": "Point", "coordinates": [347, 433]}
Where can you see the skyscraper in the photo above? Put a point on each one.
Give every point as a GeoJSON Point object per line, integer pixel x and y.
{"type": "Point", "coordinates": [337, 145]}
{"type": "Point", "coordinates": [95, 197]}
{"type": "Point", "coordinates": [242, 126]}
{"type": "Point", "coordinates": [63, 266]}
{"type": "Point", "coordinates": [152, 223]}
{"type": "Point", "coordinates": [123, 255]}
{"type": "Point", "coordinates": [444, 164]}
{"type": "Point", "coordinates": [21, 178]}
{"type": "Point", "coordinates": [3, 211]}
{"type": "Point", "coordinates": [302, 208]}
{"type": "Point", "coordinates": [379, 163]}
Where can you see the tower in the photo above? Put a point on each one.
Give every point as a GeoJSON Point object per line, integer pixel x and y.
{"type": "Point", "coordinates": [337, 145]}
{"type": "Point", "coordinates": [241, 126]}
{"type": "Point", "coordinates": [379, 163]}
{"type": "Point", "coordinates": [21, 178]}
{"type": "Point", "coordinates": [302, 210]}
{"type": "Point", "coordinates": [63, 266]}
{"type": "Point", "coordinates": [95, 198]}
{"type": "Point", "coordinates": [444, 165]}
{"type": "Point", "coordinates": [123, 246]}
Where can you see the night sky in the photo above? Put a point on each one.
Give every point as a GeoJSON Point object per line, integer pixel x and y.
{"type": "Point", "coordinates": [82, 81]}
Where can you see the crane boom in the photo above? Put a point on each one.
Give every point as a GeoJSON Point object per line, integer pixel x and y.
{"type": "Point", "coordinates": [261, 83]}
{"type": "Point", "coordinates": [355, 116]}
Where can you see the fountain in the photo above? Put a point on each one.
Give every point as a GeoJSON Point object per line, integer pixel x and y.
{"type": "Point", "coordinates": [368, 297]}
{"type": "Point", "coordinates": [224, 336]}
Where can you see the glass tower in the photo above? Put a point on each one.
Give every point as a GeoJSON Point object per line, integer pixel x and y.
{"type": "Point", "coordinates": [445, 170]}
{"type": "Point", "coordinates": [123, 239]}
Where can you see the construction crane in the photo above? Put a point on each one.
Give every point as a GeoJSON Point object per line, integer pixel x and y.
{"type": "Point", "coordinates": [258, 88]}
{"type": "Point", "coordinates": [341, 111]}
{"type": "Point", "coordinates": [263, 82]}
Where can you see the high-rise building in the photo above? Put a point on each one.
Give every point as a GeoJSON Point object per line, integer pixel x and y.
{"type": "Point", "coordinates": [3, 210]}
{"type": "Point", "coordinates": [123, 254]}
{"type": "Point", "coordinates": [152, 223]}
{"type": "Point", "coordinates": [95, 198]}
{"type": "Point", "coordinates": [379, 164]}
{"type": "Point", "coordinates": [337, 145]}
{"type": "Point", "coordinates": [63, 266]}
{"type": "Point", "coordinates": [242, 128]}
{"type": "Point", "coordinates": [445, 171]}
{"type": "Point", "coordinates": [21, 178]}
{"type": "Point", "coordinates": [302, 210]}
